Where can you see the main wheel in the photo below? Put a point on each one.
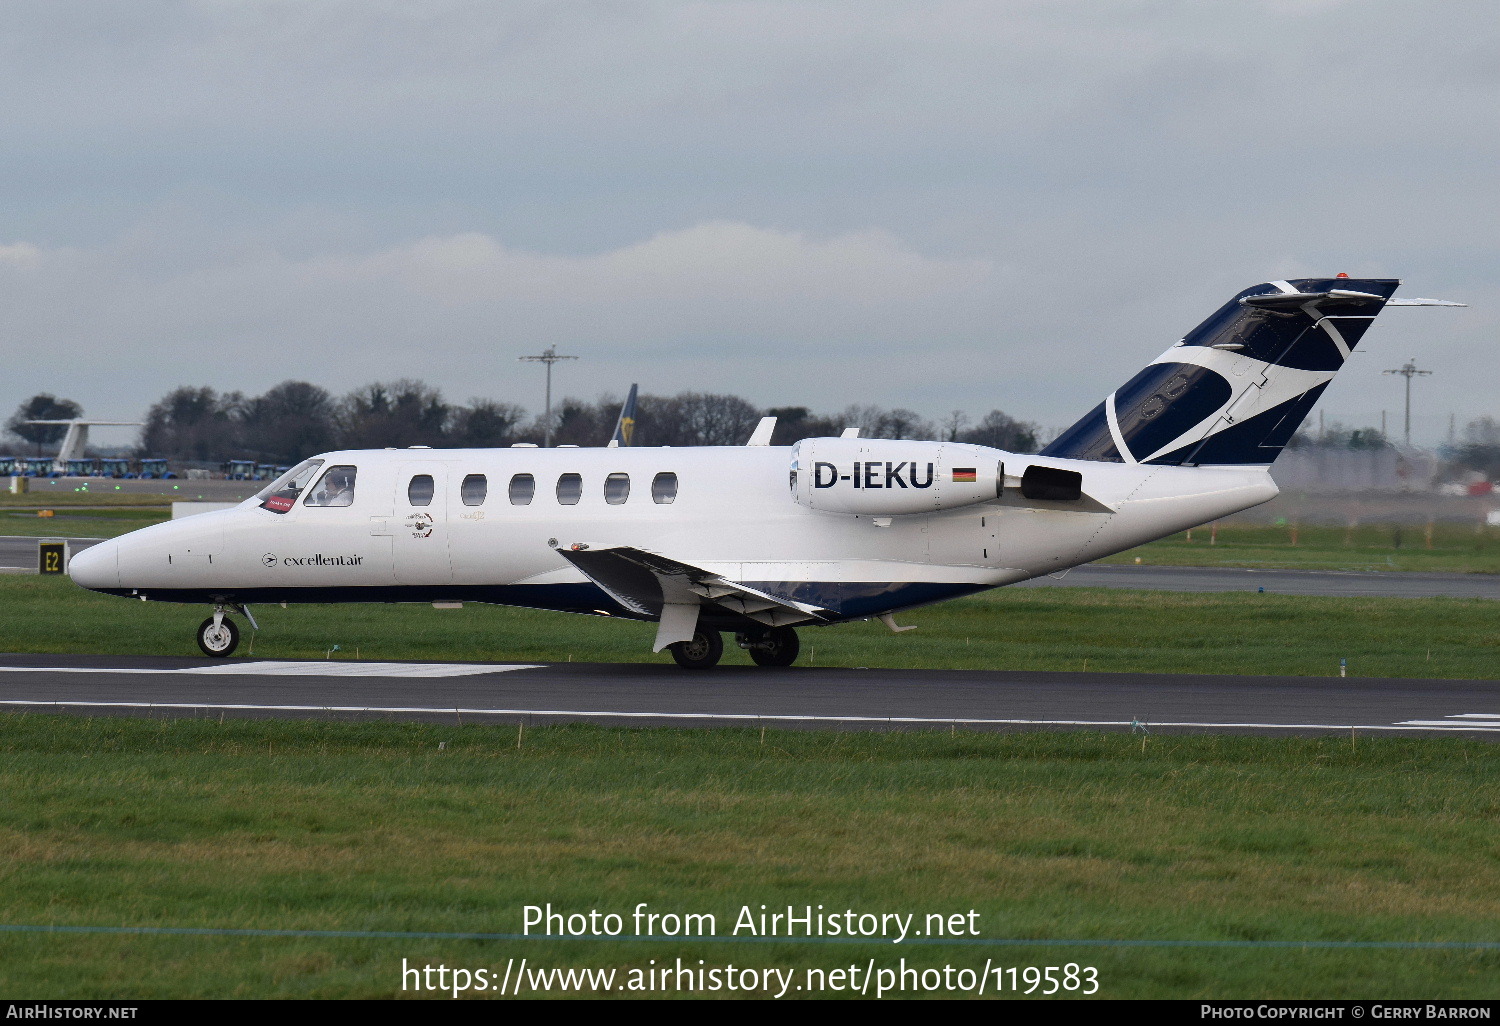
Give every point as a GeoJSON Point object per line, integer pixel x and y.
{"type": "Point", "coordinates": [776, 647]}
{"type": "Point", "coordinates": [700, 653]}
{"type": "Point", "coordinates": [218, 641]}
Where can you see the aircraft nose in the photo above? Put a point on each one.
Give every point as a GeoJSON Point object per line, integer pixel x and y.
{"type": "Point", "coordinates": [97, 566]}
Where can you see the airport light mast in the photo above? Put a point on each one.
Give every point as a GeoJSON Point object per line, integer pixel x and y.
{"type": "Point", "coordinates": [549, 356]}
{"type": "Point", "coordinates": [1408, 371]}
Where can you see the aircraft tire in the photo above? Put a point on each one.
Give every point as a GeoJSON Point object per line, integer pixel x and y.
{"type": "Point", "coordinates": [221, 642]}
{"type": "Point", "coordinates": [777, 647]}
{"type": "Point", "coordinates": [702, 652]}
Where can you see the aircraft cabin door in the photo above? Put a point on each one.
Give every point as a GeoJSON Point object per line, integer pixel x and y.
{"type": "Point", "coordinates": [420, 544]}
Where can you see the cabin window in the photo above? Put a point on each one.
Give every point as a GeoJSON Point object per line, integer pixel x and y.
{"type": "Point", "coordinates": [616, 488]}
{"type": "Point", "coordinates": [664, 487]}
{"type": "Point", "coordinates": [335, 488]}
{"type": "Point", "coordinates": [474, 489]}
{"type": "Point", "coordinates": [280, 495]}
{"type": "Point", "coordinates": [522, 488]}
{"type": "Point", "coordinates": [419, 492]}
{"type": "Point", "coordinates": [569, 489]}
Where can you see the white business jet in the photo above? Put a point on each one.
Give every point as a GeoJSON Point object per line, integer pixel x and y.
{"type": "Point", "coordinates": [761, 540]}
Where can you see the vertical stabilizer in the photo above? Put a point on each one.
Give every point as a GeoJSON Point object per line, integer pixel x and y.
{"type": "Point", "coordinates": [625, 425]}
{"type": "Point", "coordinates": [1235, 390]}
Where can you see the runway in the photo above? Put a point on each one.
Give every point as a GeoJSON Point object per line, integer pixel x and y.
{"type": "Point", "coordinates": [18, 552]}
{"type": "Point", "coordinates": [658, 694]}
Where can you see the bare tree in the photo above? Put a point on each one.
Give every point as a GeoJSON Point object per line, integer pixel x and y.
{"type": "Point", "coordinates": [42, 407]}
{"type": "Point", "coordinates": [398, 413]}
{"type": "Point", "coordinates": [1002, 431]}
{"type": "Point", "coordinates": [288, 423]}
{"type": "Point", "coordinates": [485, 422]}
{"type": "Point", "coordinates": [955, 423]}
{"type": "Point", "coordinates": [794, 423]}
{"type": "Point", "coordinates": [191, 423]}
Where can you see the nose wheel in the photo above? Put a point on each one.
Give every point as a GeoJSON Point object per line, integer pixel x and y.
{"type": "Point", "coordinates": [775, 646]}
{"type": "Point", "coordinates": [218, 636]}
{"type": "Point", "coordinates": [699, 652]}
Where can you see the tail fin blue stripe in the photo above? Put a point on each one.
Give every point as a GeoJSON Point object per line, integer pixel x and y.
{"type": "Point", "coordinates": [1236, 389]}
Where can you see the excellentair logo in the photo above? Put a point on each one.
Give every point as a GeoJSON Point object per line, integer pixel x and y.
{"type": "Point", "coordinates": [322, 560]}
{"type": "Point", "coordinates": [875, 474]}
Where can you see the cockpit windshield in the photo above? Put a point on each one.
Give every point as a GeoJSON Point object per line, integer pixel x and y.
{"type": "Point", "coordinates": [281, 494]}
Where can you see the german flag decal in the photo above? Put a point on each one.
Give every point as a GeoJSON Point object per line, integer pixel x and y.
{"type": "Point", "coordinates": [964, 474]}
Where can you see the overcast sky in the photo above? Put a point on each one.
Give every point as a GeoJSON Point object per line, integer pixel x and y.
{"type": "Point", "coordinates": [945, 205]}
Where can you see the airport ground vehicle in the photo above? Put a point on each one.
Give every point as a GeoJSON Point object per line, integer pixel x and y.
{"type": "Point", "coordinates": [760, 540]}
{"type": "Point", "coordinates": [156, 469]}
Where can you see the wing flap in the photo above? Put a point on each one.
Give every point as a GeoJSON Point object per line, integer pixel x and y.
{"type": "Point", "coordinates": [647, 583]}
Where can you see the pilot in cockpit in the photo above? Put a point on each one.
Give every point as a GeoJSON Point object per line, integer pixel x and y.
{"type": "Point", "coordinates": [336, 488]}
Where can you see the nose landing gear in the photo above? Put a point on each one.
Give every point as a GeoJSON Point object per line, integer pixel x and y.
{"type": "Point", "coordinates": [774, 646]}
{"type": "Point", "coordinates": [218, 636]}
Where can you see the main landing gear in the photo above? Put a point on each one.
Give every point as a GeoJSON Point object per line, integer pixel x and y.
{"type": "Point", "coordinates": [770, 646]}
{"type": "Point", "coordinates": [774, 646]}
{"type": "Point", "coordinates": [699, 652]}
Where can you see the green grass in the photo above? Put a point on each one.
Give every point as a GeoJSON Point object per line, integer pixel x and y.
{"type": "Point", "coordinates": [72, 522]}
{"type": "Point", "coordinates": [1445, 548]}
{"type": "Point", "coordinates": [315, 825]}
{"type": "Point", "coordinates": [1021, 629]}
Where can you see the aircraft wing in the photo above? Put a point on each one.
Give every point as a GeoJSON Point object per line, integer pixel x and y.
{"type": "Point", "coordinates": [664, 589]}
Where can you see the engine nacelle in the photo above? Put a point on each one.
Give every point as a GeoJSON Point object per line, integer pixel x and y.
{"type": "Point", "coordinates": [883, 477]}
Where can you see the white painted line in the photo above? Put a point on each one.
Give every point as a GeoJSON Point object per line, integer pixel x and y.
{"type": "Point", "coordinates": [1455, 724]}
{"type": "Point", "coordinates": [310, 668]}
{"type": "Point", "coordinates": [742, 717]}
{"type": "Point", "coordinates": [77, 669]}
{"type": "Point", "coordinates": [330, 668]}
{"type": "Point", "coordinates": [1475, 716]}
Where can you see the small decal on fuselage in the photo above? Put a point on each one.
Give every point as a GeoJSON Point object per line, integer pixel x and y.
{"type": "Point", "coordinates": [420, 524]}
{"type": "Point", "coordinates": [874, 474]}
{"type": "Point", "coordinates": [321, 560]}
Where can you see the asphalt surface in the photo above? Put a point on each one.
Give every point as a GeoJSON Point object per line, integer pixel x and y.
{"type": "Point", "coordinates": [661, 694]}
{"type": "Point", "coordinates": [20, 552]}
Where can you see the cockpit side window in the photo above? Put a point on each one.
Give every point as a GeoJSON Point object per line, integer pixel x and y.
{"type": "Point", "coordinates": [335, 488]}
{"type": "Point", "coordinates": [281, 494]}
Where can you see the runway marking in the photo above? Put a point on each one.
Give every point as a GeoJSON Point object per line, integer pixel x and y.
{"type": "Point", "coordinates": [1442, 725]}
{"type": "Point", "coordinates": [308, 668]}
{"type": "Point", "coordinates": [1466, 721]}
